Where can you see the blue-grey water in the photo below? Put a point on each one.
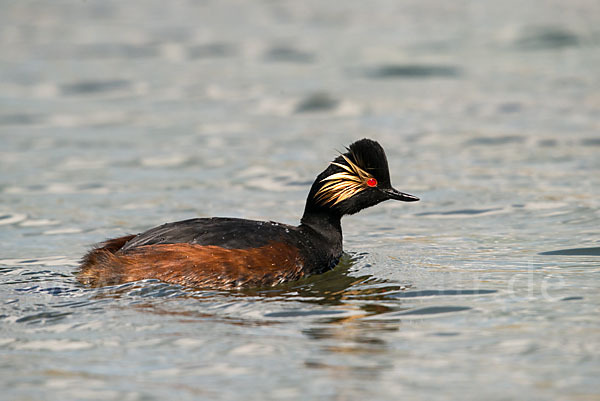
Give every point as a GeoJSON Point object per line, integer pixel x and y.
{"type": "Point", "coordinates": [116, 116]}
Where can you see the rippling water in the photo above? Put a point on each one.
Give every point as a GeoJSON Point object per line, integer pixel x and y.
{"type": "Point", "coordinates": [118, 116]}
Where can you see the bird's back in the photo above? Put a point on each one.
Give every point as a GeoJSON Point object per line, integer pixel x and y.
{"type": "Point", "coordinates": [225, 232]}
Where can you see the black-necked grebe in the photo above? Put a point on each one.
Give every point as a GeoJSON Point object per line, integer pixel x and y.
{"type": "Point", "coordinates": [228, 252]}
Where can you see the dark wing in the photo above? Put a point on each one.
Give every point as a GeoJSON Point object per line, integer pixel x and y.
{"type": "Point", "coordinates": [228, 233]}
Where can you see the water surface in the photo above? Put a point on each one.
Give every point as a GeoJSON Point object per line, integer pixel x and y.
{"type": "Point", "coordinates": [118, 116]}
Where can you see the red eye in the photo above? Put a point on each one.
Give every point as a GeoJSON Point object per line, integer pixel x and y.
{"type": "Point", "coordinates": [372, 182]}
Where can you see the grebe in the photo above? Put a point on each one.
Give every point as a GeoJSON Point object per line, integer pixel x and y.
{"type": "Point", "coordinates": [223, 253]}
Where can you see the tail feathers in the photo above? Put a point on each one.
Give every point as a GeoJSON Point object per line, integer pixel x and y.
{"type": "Point", "coordinates": [96, 262]}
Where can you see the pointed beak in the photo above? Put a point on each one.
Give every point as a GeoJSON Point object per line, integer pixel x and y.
{"type": "Point", "coordinates": [401, 196]}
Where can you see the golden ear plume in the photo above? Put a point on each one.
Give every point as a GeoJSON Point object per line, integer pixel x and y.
{"type": "Point", "coordinates": [343, 185]}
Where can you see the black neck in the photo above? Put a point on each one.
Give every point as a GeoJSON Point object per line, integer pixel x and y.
{"type": "Point", "coordinates": [326, 224]}
{"type": "Point", "coordinates": [321, 219]}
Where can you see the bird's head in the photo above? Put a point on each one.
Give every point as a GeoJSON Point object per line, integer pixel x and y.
{"type": "Point", "coordinates": [355, 180]}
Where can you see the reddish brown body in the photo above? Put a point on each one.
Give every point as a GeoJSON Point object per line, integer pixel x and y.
{"type": "Point", "coordinates": [192, 265]}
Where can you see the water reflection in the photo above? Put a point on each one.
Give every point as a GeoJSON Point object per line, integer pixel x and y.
{"type": "Point", "coordinates": [337, 297]}
{"type": "Point", "coordinates": [595, 251]}
{"type": "Point", "coordinates": [430, 293]}
{"type": "Point", "coordinates": [546, 38]}
{"type": "Point", "coordinates": [414, 71]}
{"type": "Point", "coordinates": [329, 288]}
{"type": "Point", "coordinates": [92, 87]}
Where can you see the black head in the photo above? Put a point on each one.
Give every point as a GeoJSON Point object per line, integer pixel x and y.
{"type": "Point", "coordinates": [355, 180]}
